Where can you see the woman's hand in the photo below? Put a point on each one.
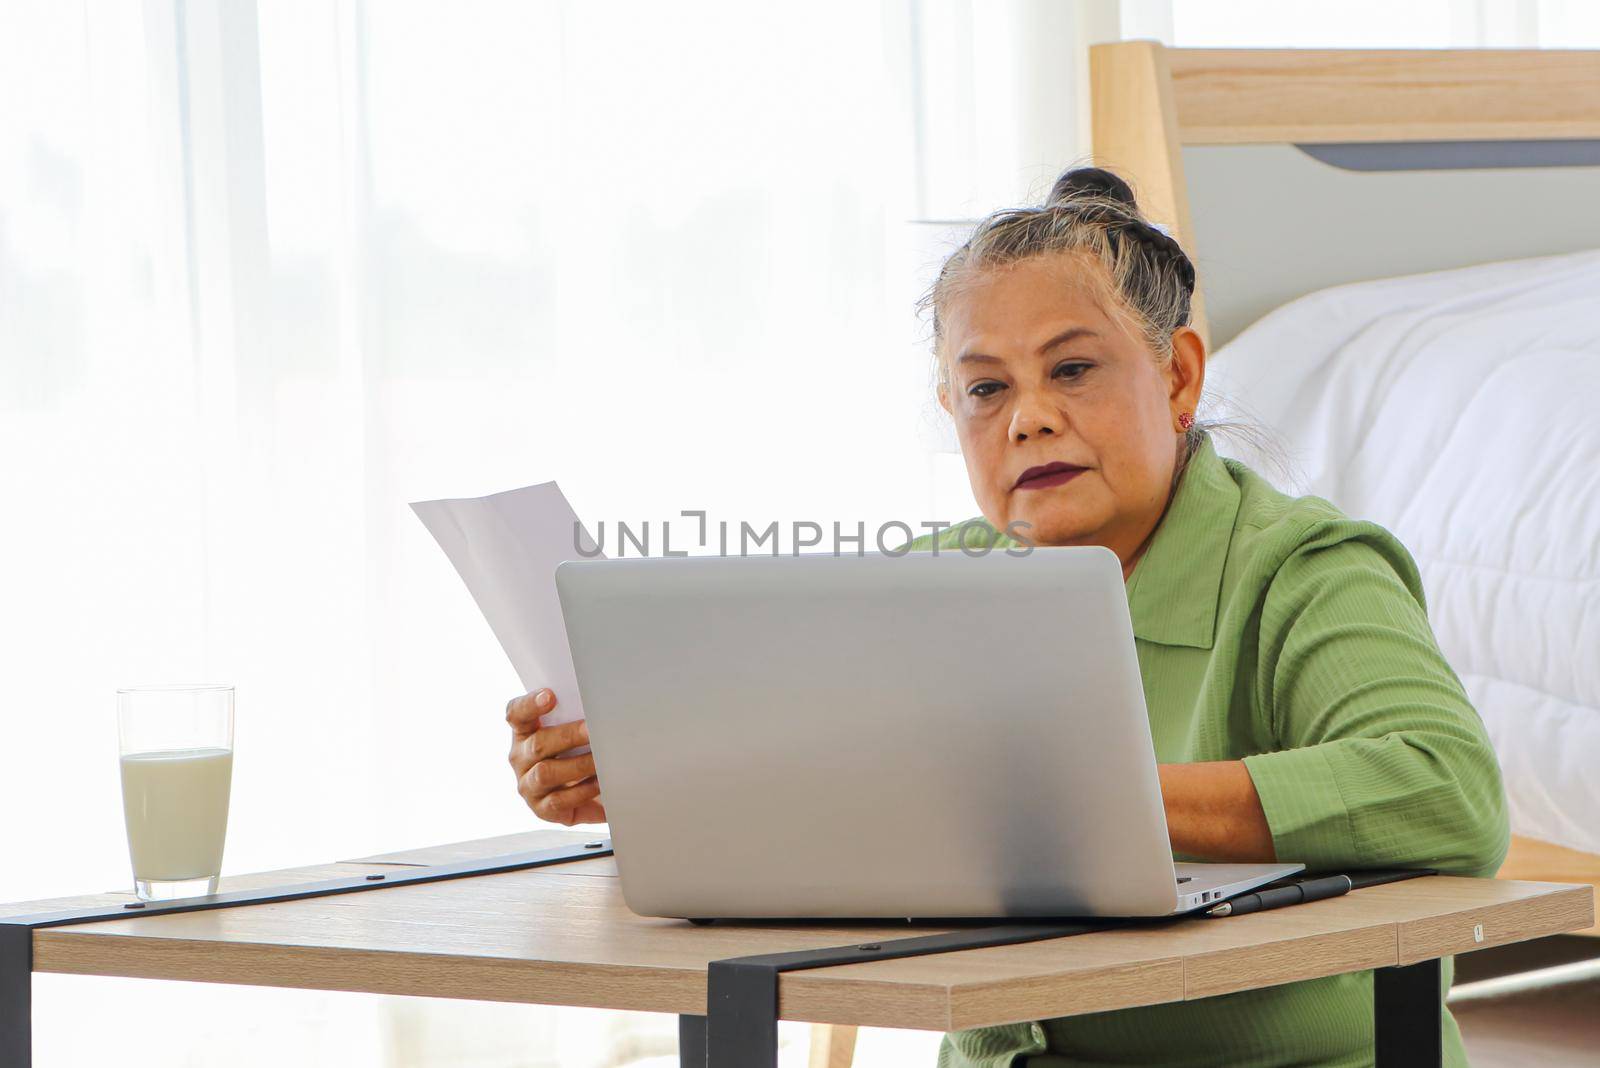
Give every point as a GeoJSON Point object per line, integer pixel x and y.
{"type": "Point", "coordinates": [559, 789]}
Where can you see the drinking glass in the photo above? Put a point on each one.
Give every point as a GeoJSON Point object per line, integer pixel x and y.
{"type": "Point", "coordinates": [176, 745]}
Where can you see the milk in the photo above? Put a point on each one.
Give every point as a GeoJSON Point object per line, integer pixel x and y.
{"type": "Point", "coordinates": [175, 803]}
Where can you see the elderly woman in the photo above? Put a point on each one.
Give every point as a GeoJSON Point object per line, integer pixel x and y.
{"type": "Point", "coordinates": [1299, 703]}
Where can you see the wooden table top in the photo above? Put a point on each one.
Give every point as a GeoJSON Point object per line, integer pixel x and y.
{"type": "Point", "coordinates": [562, 936]}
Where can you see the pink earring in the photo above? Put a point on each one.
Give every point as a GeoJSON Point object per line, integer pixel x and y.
{"type": "Point", "coordinates": [1185, 420]}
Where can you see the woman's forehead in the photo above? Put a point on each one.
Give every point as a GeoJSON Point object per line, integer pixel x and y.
{"type": "Point", "coordinates": [1036, 299]}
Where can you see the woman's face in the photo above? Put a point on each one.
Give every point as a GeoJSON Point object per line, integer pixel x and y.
{"type": "Point", "coordinates": [1067, 422]}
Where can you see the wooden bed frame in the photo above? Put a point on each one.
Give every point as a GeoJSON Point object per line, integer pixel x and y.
{"type": "Point", "coordinates": [1149, 102]}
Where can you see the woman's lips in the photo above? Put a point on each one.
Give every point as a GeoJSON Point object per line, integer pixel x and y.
{"type": "Point", "coordinates": [1048, 475]}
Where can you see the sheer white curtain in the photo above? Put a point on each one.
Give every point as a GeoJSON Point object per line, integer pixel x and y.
{"type": "Point", "coordinates": [270, 271]}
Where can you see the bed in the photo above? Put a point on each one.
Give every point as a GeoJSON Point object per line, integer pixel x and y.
{"type": "Point", "coordinates": [1400, 260]}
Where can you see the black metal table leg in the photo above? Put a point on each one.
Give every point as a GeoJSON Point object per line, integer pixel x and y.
{"type": "Point", "coordinates": [742, 1006]}
{"type": "Point", "coordinates": [692, 1041]}
{"type": "Point", "coordinates": [1407, 1003]}
{"type": "Point", "coordinates": [16, 996]}
{"type": "Point", "coordinates": [742, 992]}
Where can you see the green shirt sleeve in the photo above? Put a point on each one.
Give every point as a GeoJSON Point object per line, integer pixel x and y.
{"type": "Point", "coordinates": [1381, 760]}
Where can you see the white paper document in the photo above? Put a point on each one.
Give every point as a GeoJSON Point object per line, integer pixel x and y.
{"type": "Point", "coordinates": [506, 547]}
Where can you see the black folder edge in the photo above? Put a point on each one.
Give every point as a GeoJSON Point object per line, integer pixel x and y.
{"type": "Point", "coordinates": [16, 932]}
{"type": "Point", "coordinates": [404, 875]}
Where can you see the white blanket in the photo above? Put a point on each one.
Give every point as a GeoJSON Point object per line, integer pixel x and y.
{"type": "Point", "coordinates": [1461, 410]}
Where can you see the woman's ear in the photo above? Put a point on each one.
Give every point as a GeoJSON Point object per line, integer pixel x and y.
{"type": "Point", "coordinates": [1186, 371]}
{"type": "Point", "coordinates": [944, 397]}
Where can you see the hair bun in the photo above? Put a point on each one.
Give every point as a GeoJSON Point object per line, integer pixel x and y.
{"type": "Point", "coordinates": [1091, 182]}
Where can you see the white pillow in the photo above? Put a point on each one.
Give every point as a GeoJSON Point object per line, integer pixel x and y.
{"type": "Point", "coordinates": [1461, 409]}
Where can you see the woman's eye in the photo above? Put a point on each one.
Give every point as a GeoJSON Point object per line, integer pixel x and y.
{"type": "Point", "coordinates": [1067, 370]}
{"type": "Point", "coordinates": [984, 389]}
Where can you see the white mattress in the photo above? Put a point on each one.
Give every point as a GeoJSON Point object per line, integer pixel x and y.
{"type": "Point", "coordinates": [1461, 410]}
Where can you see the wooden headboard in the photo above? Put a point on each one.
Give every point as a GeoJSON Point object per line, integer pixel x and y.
{"type": "Point", "coordinates": [1283, 171]}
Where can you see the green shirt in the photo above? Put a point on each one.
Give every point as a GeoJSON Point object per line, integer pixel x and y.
{"type": "Point", "coordinates": [1279, 631]}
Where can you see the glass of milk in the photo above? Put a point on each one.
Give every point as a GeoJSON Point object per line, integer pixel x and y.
{"type": "Point", "coordinates": [177, 767]}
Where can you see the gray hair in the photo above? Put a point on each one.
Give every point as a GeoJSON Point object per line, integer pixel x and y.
{"type": "Point", "coordinates": [1091, 212]}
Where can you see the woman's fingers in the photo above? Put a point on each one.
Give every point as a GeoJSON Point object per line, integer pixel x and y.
{"type": "Point", "coordinates": [590, 811]}
{"type": "Point", "coordinates": [528, 749]}
{"type": "Point", "coordinates": [573, 804]}
{"type": "Point", "coordinates": [553, 741]}
{"type": "Point", "coordinates": [559, 789]}
{"type": "Point", "coordinates": [556, 772]}
{"type": "Point", "coordinates": [523, 712]}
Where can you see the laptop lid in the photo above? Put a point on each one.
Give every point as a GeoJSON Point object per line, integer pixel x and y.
{"type": "Point", "coordinates": [871, 736]}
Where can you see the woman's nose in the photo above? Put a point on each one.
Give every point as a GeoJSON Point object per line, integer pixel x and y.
{"type": "Point", "coordinates": [1033, 419]}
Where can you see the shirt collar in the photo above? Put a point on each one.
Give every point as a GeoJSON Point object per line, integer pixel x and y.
{"type": "Point", "coordinates": [1175, 587]}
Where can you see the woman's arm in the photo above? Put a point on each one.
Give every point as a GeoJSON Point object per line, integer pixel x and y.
{"type": "Point", "coordinates": [1213, 812]}
{"type": "Point", "coordinates": [1381, 759]}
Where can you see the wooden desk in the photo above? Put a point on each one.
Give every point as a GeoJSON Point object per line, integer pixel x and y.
{"type": "Point", "coordinates": [562, 936]}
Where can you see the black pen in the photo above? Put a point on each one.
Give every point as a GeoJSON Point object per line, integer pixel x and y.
{"type": "Point", "coordinates": [1279, 896]}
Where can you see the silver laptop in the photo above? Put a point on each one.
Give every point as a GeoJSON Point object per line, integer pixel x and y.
{"type": "Point", "coordinates": [923, 736]}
